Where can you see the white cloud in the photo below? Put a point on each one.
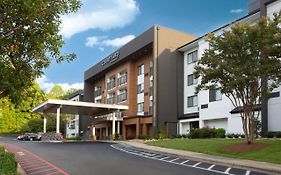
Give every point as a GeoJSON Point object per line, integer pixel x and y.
{"type": "Point", "coordinates": [118, 42]}
{"type": "Point", "coordinates": [91, 41]}
{"type": "Point", "coordinates": [100, 14]}
{"type": "Point", "coordinates": [236, 10]}
{"type": "Point", "coordinates": [102, 41]}
{"type": "Point", "coordinates": [46, 85]}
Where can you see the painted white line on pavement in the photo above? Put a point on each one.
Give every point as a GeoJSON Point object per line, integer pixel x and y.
{"type": "Point", "coordinates": [227, 170]}
{"type": "Point", "coordinates": [211, 167]}
{"type": "Point", "coordinates": [173, 159]}
{"type": "Point", "coordinates": [248, 172]}
{"type": "Point", "coordinates": [196, 164]}
{"type": "Point", "coordinates": [184, 162]}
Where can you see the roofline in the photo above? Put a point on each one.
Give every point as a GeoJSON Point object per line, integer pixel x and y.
{"type": "Point", "coordinates": [79, 103]}
{"type": "Point", "coordinates": [197, 39]}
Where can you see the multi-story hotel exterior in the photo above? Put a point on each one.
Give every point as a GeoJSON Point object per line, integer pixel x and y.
{"type": "Point", "coordinates": [213, 109]}
{"type": "Point", "coordinates": [143, 74]}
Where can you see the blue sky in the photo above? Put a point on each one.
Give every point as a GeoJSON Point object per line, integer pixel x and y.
{"type": "Point", "coordinates": [102, 26]}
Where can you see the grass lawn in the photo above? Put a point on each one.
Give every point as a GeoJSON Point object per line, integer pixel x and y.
{"type": "Point", "coordinates": [272, 153]}
{"type": "Point", "coordinates": [8, 164]}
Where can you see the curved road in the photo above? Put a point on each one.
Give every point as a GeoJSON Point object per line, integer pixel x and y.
{"type": "Point", "coordinates": [95, 158]}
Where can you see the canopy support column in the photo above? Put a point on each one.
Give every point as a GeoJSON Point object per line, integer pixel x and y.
{"type": "Point", "coordinates": [113, 125]}
{"type": "Point", "coordinates": [44, 123]}
{"type": "Point", "coordinates": [118, 127]}
{"type": "Point", "coordinates": [58, 120]}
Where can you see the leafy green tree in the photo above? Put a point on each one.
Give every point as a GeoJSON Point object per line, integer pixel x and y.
{"type": "Point", "coordinates": [238, 60]}
{"type": "Point", "coordinates": [14, 116]}
{"type": "Point", "coordinates": [56, 92]}
{"type": "Point", "coordinates": [69, 91]}
{"type": "Point", "coordinates": [30, 40]}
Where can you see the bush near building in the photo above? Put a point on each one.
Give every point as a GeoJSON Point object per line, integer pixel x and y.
{"type": "Point", "coordinates": [8, 163]}
{"type": "Point", "coordinates": [207, 133]}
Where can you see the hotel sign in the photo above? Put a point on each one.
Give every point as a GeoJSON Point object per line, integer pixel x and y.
{"type": "Point", "coordinates": [111, 58]}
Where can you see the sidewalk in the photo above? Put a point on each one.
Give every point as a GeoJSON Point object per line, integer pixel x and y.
{"type": "Point", "coordinates": [239, 163]}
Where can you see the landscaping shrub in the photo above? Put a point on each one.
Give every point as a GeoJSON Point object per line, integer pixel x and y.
{"type": "Point", "coordinates": [269, 135]}
{"type": "Point", "coordinates": [2, 149]}
{"type": "Point", "coordinates": [220, 133]}
{"type": "Point", "coordinates": [144, 137]}
{"type": "Point", "coordinates": [8, 164]}
{"type": "Point", "coordinates": [278, 134]}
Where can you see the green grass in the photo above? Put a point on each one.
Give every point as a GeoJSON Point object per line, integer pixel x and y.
{"type": "Point", "coordinates": [271, 154]}
{"type": "Point", "coordinates": [8, 163]}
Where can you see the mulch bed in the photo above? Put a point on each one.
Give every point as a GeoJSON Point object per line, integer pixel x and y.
{"type": "Point", "coordinates": [243, 147]}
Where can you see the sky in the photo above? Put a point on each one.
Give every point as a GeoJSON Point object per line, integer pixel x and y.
{"type": "Point", "coordinates": [102, 26]}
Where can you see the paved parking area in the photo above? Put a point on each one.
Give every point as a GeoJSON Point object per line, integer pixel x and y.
{"type": "Point", "coordinates": [184, 162]}
{"type": "Point", "coordinates": [33, 164]}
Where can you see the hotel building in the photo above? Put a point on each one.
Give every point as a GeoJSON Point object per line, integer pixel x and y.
{"type": "Point", "coordinates": [145, 74]}
{"type": "Point", "coordinates": [210, 107]}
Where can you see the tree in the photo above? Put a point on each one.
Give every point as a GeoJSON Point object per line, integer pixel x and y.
{"type": "Point", "coordinates": [13, 117]}
{"type": "Point", "coordinates": [30, 40]}
{"type": "Point", "coordinates": [238, 61]}
{"type": "Point", "coordinates": [56, 92]}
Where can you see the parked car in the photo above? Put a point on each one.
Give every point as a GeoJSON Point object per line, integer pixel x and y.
{"type": "Point", "coordinates": [30, 136]}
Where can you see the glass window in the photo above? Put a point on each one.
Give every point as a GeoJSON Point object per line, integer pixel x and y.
{"type": "Point", "coordinates": [140, 107]}
{"type": "Point", "coordinates": [97, 91]}
{"type": "Point", "coordinates": [192, 101]}
{"type": "Point", "coordinates": [111, 98]}
{"type": "Point", "coordinates": [111, 82]}
{"type": "Point", "coordinates": [192, 57]}
{"type": "Point", "coordinates": [140, 88]}
{"type": "Point", "coordinates": [122, 95]}
{"type": "Point", "coordinates": [215, 95]}
{"type": "Point", "coordinates": [141, 69]}
{"type": "Point", "coordinates": [122, 77]}
{"type": "Point", "coordinates": [191, 80]}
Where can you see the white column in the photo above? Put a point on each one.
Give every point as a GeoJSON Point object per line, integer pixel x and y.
{"type": "Point", "coordinates": [94, 131]}
{"type": "Point", "coordinates": [113, 123]}
{"type": "Point", "coordinates": [44, 123]}
{"type": "Point", "coordinates": [58, 120]}
{"type": "Point", "coordinates": [118, 127]}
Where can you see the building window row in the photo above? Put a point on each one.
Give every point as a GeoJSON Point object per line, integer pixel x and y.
{"type": "Point", "coordinates": [215, 95]}
{"type": "Point", "coordinates": [191, 80]}
{"type": "Point", "coordinates": [192, 57]}
{"type": "Point", "coordinates": [97, 91]}
{"type": "Point", "coordinates": [192, 101]}
{"type": "Point", "coordinates": [111, 98]}
{"type": "Point", "coordinates": [140, 88]}
{"type": "Point", "coordinates": [111, 82]}
{"type": "Point", "coordinates": [141, 69]}
{"type": "Point", "coordinates": [122, 95]}
{"type": "Point", "coordinates": [140, 107]}
{"type": "Point", "coordinates": [122, 77]}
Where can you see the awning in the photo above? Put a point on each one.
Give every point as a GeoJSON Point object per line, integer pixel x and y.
{"type": "Point", "coordinates": [77, 107]}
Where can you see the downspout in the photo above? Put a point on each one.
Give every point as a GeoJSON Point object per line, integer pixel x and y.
{"type": "Point", "coordinates": [264, 85]}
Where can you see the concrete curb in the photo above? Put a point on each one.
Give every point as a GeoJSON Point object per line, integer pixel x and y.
{"type": "Point", "coordinates": [20, 170]}
{"type": "Point", "coordinates": [238, 163]}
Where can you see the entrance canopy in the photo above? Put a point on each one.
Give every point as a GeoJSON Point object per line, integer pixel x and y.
{"type": "Point", "coordinates": [77, 107]}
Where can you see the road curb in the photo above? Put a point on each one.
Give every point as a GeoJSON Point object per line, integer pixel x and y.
{"type": "Point", "coordinates": [20, 170]}
{"type": "Point", "coordinates": [237, 163]}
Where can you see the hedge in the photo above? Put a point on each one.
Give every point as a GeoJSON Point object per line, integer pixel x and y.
{"type": "Point", "coordinates": [8, 163]}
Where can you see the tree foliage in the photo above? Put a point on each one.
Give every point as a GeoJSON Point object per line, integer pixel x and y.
{"type": "Point", "coordinates": [56, 92]}
{"type": "Point", "coordinates": [14, 116]}
{"type": "Point", "coordinates": [30, 40]}
{"type": "Point", "coordinates": [238, 60]}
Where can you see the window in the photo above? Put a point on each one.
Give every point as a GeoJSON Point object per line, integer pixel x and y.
{"type": "Point", "coordinates": [192, 101]}
{"type": "Point", "coordinates": [140, 88]}
{"type": "Point", "coordinates": [111, 83]}
{"type": "Point", "coordinates": [215, 95]}
{"type": "Point", "coordinates": [191, 80]}
{"type": "Point", "coordinates": [122, 95]}
{"type": "Point", "coordinates": [97, 91]}
{"type": "Point", "coordinates": [71, 124]}
{"type": "Point", "coordinates": [122, 77]}
{"type": "Point", "coordinates": [141, 69]}
{"type": "Point", "coordinates": [98, 101]}
{"type": "Point", "coordinates": [192, 57]}
{"type": "Point", "coordinates": [140, 107]}
{"type": "Point", "coordinates": [150, 106]}
{"type": "Point", "coordinates": [111, 98]}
